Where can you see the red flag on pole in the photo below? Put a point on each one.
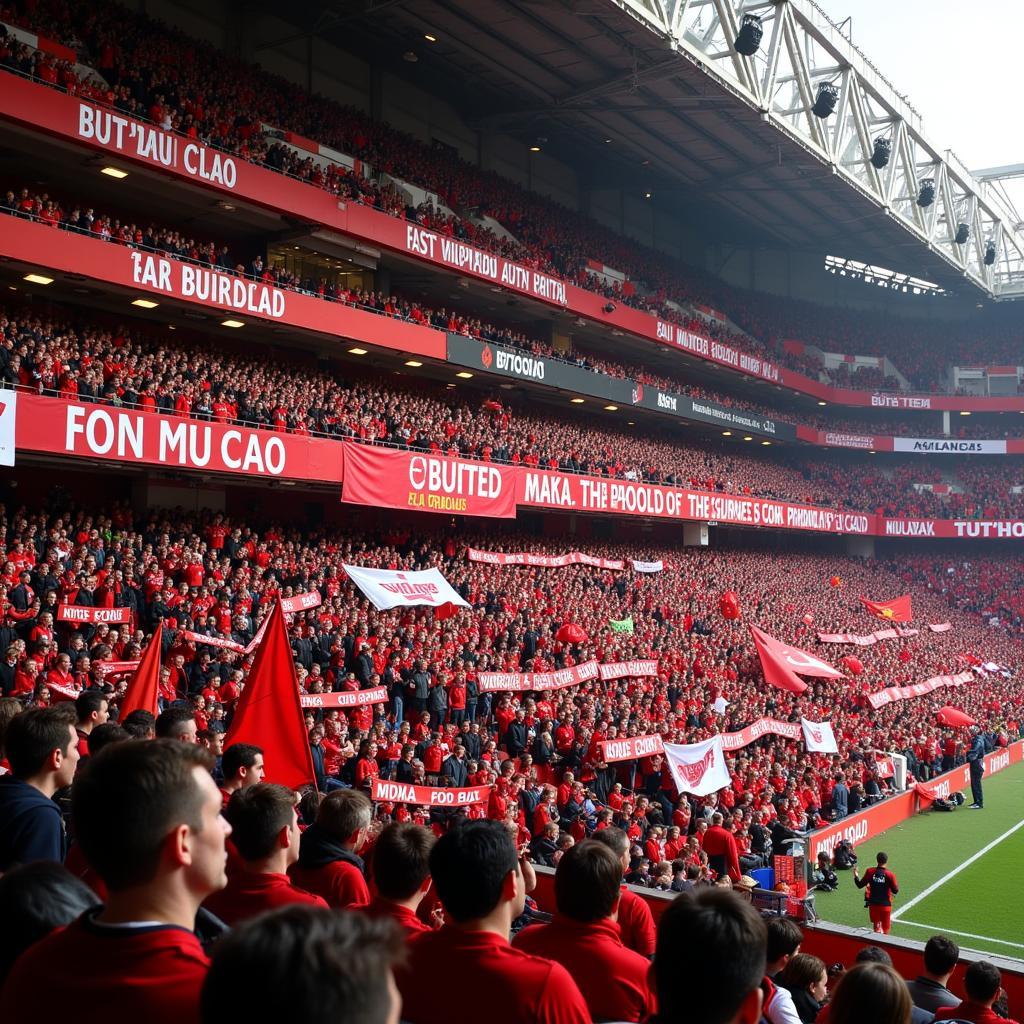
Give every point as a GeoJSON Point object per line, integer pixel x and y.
{"type": "Point", "coordinates": [781, 662]}
{"type": "Point", "coordinates": [144, 685]}
{"type": "Point", "coordinates": [269, 713]}
{"type": "Point", "coordinates": [953, 717]}
{"type": "Point", "coordinates": [896, 610]}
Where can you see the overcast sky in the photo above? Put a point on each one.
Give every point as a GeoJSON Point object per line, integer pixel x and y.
{"type": "Point", "coordinates": [958, 63]}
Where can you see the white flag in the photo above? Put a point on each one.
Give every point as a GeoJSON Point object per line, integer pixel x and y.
{"type": "Point", "coordinates": [720, 705]}
{"type": "Point", "coordinates": [648, 566]}
{"type": "Point", "coordinates": [819, 737]}
{"type": "Point", "coordinates": [389, 588]}
{"type": "Point", "coordinates": [698, 768]}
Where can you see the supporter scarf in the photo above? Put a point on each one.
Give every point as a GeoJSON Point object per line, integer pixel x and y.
{"type": "Point", "coordinates": [429, 796]}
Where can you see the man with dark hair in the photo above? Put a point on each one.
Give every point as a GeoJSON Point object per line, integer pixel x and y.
{"type": "Point", "coordinates": [710, 959]}
{"type": "Point", "coordinates": [92, 709]}
{"type": "Point", "coordinates": [720, 846]}
{"type": "Point", "coordinates": [140, 724]}
{"type": "Point", "coordinates": [930, 990]}
{"type": "Point", "coordinates": [983, 984]}
{"type": "Point", "coordinates": [636, 922]}
{"type": "Point", "coordinates": [265, 832]}
{"type": "Point", "coordinates": [147, 816]}
{"type": "Point", "coordinates": [327, 864]}
{"type": "Point", "coordinates": [881, 886]}
{"type": "Point", "coordinates": [479, 880]}
{"type": "Point", "coordinates": [176, 724]}
{"type": "Point", "coordinates": [305, 966]}
{"type": "Point", "coordinates": [41, 746]}
{"type": "Point", "coordinates": [401, 875]}
{"type": "Point", "coordinates": [242, 765]}
{"type": "Point", "coordinates": [584, 938]}
{"type": "Point", "coordinates": [976, 766]}
{"type": "Point", "coordinates": [105, 734]}
{"type": "Point", "coordinates": [783, 943]}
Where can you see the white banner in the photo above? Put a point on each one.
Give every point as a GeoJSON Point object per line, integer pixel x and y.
{"type": "Point", "coordinates": [720, 705]}
{"type": "Point", "coordinates": [947, 446]}
{"type": "Point", "coordinates": [8, 418]}
{"type": "Point", "coordinates": [819, 737]}
{"type": "Point", "coordinates": [647, 566]}
{"type": "Point", "coordinates": [698, 768]}
{"type": "Point", "coordinates": [389, 588]}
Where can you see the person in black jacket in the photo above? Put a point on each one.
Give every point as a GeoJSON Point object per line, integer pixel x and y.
{"type": "Point", "coordinates": [976, 765]}
{"type": "Point", "coordinates": [806, 977]}
{"type": "Point", "coordinates": [515, 737]}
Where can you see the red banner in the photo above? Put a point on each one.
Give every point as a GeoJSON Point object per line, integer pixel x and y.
{"type": "Point", "coordinates": [211, 641]}
{"type": "Point", "coordinates": [495, 682]}
{"type": "Point", "coordinates": [301, 602]}
{"type": "Point", "coordinates": [390, 478]}
{"type": "Point", "coordinates": [81, 613]}
{"type": "Point", "coordinates": [890, 694]}
{"type": "Point", "coordinates": [897, 609]}
{"type": "Point", "coordinates": [56, 426]}
{"type": "Point", "coordinates": [629, 669]}
{"type": "Point", "coordinates": [991, 529]}
{"type": "Point", "coordinates": [871, 638]}
{"type": "Point", "coordinates": [430, 796]}
{"type": "Point", "coordinates": [762, 727]}
{"type": "Point", "coordinates": [544, 561]}
{"type": "Point", "coordinates": [345, 698]}
{"type": "Point", "coordinates": [630, 748]}
{"type": "Point", "coordinates": [109, 668]}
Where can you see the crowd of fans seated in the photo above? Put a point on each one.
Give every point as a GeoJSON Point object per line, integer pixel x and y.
{"type": "Point", "coordinates": [116, 367]}
{"type": "Point", "coordinates": [554, 800]}
{"type": "Point", "coordinates": [158, 74]}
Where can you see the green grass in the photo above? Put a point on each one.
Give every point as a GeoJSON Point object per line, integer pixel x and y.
{"type": "Point", "coordinates": [984, 902]}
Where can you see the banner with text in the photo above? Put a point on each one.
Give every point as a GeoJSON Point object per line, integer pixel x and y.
{"type": "Point", "coordinates": [345, 698]}
{"type": "Point", "coordinates": [544, 561]}
{"type": "Point", "coordinates": [428, 796]}
{"type": "Point", "coordinates": [389, 588]}
{"type": "Point", "coordinates": [91, 615]}
{"type": "Point", "coordinates": [869, 638]}
{"type": "Point", "coordinates": [630, 748]}
{"type": "Point", "coordinates": [890, 694]}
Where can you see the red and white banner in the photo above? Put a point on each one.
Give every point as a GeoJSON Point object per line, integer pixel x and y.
{"type": "Point", "coordinates": [428, 796]}
{"type": "Point", "coordinates": [819, 737]}
{"type": "Point", "coordinates": [629, 669]}
{"type": "Point", "coordinates": [544, 561]}
{"type": "Point", "coordinates": [880, 698]}
{"type": "Point", "coordinates": [871, 638]}
{"type": "Point", "coordinates": [985, 529]}
{"type": "Point", "coordinates": [630, 748]}
{"type": "Point", "coordinates": [698, 768]}
{"type": "Point", "coordinates": [940, 627]}
{"type": "Point", "coordinates": [345, 698]}
{"type": "Point", "coordinates": [390, 478]}
{"type": "Point", "coordinates": [211, 641]}
{"type": "Point", "coordinates": [81, 613]}
{"type": "Point", "coordinates": [389, 588]}
{"type": "Point", "coordinates": [110, 668]}
{"type": "Point", "coordinates": [762, 727]}
{"type": "Point", "coordinates": [301, 602]}
{"type": "Point", "coordinates": [517, 682]}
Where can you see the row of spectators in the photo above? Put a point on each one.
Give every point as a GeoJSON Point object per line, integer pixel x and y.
{"type": "Point", "coordinates": [163, 76]}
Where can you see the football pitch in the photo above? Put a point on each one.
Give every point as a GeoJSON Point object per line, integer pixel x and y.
{"type": "Point", "coordinates": [959, 873]}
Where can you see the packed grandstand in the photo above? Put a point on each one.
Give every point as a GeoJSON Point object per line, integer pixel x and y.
{"type": "Point", "coordinates": [512, 576]}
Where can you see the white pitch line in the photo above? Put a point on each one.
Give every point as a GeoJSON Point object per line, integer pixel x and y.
{"type": "Point", "coordinates": [935, 930]}
{"type": "Point", "coordinates": [956, 871]}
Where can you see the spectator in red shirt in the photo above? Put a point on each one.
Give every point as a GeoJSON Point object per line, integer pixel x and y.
{"type": "Point", "coordinates": [265, 832]}
{"type": "Point", "coordinates": [584, 938]}
{"type": "Point", "coordinates": [710, 960]}
{"type": "Point", "coordinates": [92, 709]}
{"type": "Point", "coordinates": [401, 875]}
{"type": "Point", "coordinates": [983, 985]}
{"type": "Point", "coordinates": [881, 886]}
{"type": "Point", "coordinates": [305, 966]}
{"type": "Point", "coordinates": [480, 883]}
{"type": "Point", "coordinates": [327, 864]}
{"type": "Point", "coordinates": [148, 818]}
{"type": "Point", "coordinates": [720, 846]}
{"type": "Point", "coordinates": [242, 766]}
{"type": "Point", "coordinates": [636, 923]}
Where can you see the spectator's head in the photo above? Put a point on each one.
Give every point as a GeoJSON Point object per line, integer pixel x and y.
{"type": "Point", "coordinates": [587, 882]}
{"type": "Point", "coordinates": [305, 965]}
{"type": "Point", "coordinates": [103, 735]}
{"type": "Point", "coordinates": [41, 746]}
{"type": "Point", "coordinates": [264, 824]}
{"type": "Point", "coordinates": [882, 859]}
{"type": "Point", "coordinates": [477, 875]}
{"type": "Point", "coordinates": [147, 816]}
{"type": "Point", "coordinates": [710, 959]}
{"type": "Point", "coordinates": [940, 957]}
{"type": "Point", "coordinates": [140, 724]}
{"type": "Point", "coordinates": [10, 708]}
{"type": "Point", "coordinates": [982, 982]}
{"type": "Point", "coordinates": [345, 815]}
{"type": "Point", "coordinates": [784, 938]}
{"type": "Point", "coordinates": [806, 973]}
{"type": "Point", "coordinates": [176, 724]}
{"type": "Point", "coordinates": [242, 766]}
{"type": "Point", "coordinates": [617, 841]}
{"type": "Point", "coordinates": [401, 862]}
{"type": "Point", "coordinates": [34, 900]}
{"type": "Point", "coordinates": [91, 706]}
{"type": "Point", "coordinates": [873, 955]}
{"type": "Point", "coordinates": [870, 992]}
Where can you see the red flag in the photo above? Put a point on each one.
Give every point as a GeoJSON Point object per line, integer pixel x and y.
{"type": "Point", "coordinates": [269, 714]}
{"type": "Point", "coordinates": [896, 610]}
{"type": "Point", "coordinates": [953, 717]}
{"type": "Point", "coordinates": [144, 685]}
{"type": "Point", "coordinates": [781, 662]}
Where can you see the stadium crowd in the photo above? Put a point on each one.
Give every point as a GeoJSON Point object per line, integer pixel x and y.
{"type": "Point", "coordinates": [162, 76]}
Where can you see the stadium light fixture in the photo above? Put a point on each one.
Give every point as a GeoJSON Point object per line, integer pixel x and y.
{"type": "Point", "coordinates": [726, 433]}
{"type": "Point", "coordinates": [964, 412]}
{"type": "Point", "coordinates": [827, 98]}
{"type": "Point", "coordinates": [749, 39]}
{"type": "Point", "coordinates": [38, 279]}
{"type": "Point", "coordinates": [535, 149]}
{"type": "Point", "coordinates": [429, 38]}
{"type": "Point", "coordinates": [464, 375]}
{"type": "Point", "coordinates": [767, 444]}
{"type": "Point", "coordinates": [882, 151]}
{"type": "Point", "coordinates": [963, 232]}
{"type": "Point", "coordinates": [357, 351]}
{"type": "Point", "coordinates": [822, 403]}
{"type": "Point", "coordinates": [990, 253]}
{"type": "Point", "coordinates": [577, 401]}
{"type": "Point", "coordinates": [414, 363]}
{"type": "Point", "coordinates": [926, 196]}
{"type": "Point", "coordinates": [232, 323]}
{"type": "Point", "coordinates": [145, 303]}
{"type": "Point", "coordinates": [748, 438]}
{"type": "Point", "coordinates": [114, 172]}
{"type": "Point", "coordinates": [611, 408]}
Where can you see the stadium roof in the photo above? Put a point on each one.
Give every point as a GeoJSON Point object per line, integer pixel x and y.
{"type": "Point", "coordinates": [729, 138]}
